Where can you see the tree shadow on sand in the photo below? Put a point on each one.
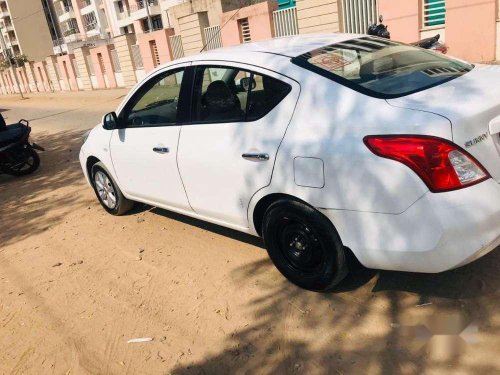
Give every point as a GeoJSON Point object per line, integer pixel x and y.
{"type": "Point", "coordinates": [32, 204]}
{"type": "Point", "coordinates": [354, 330]}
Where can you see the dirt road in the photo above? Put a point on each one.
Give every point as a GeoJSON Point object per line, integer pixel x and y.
{"type": "Point", "coordinates": [76, 284]}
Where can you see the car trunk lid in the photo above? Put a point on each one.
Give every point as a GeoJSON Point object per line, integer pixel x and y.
{"type": "Point", "coordinates": [472, 104]}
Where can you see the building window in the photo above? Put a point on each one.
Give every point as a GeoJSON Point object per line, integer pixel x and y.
{"type": "Point", "coordinates": [155, 22]}
{"type": "Point", "coordinates": [244, 28]}
{"type": "Point", "coordinates": [70, 27]}
{"type": "Point", "coordinates": [434, 12]}
{"type": "Point", "coordinates": [154, 53]}
{"type": "Point", "coordinates": [89, 21]}
{"type": "Point", "coordinates": [120, 6]}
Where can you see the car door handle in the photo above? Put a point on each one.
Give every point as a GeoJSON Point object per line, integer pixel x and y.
{"type": "Point", "coordinates": [256, 157]}
{"type": "Point", "coordinates": [161, 150]}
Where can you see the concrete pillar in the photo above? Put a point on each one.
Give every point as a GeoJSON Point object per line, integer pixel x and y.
{"type": "Point", "coordinates": [162, 40]}
{"type": "Point", "coordinates": [81, 62]}
{"type": "Point", "coordinates": [103, 67]}
{"type": "Point", "coordinates": [53, 73]}
{"type": "Point", "coordinates": [123, 46]}
{"type": "Point", "coordinates": [68, 72]}
{"type": "Point", "coordinates": [41, 76]}
{"type": "Point", "coordinates": [316, 16]}
{"type": "Point", "coordinates": [3, 88]}
{"type": "Point", "coordinates": [192, 32]}
{"type": "Point", "coordinates": [22, 79]}
{"type": "Point", "coordinates": [28, 67]}
{"type": "Point", "coordinates": [260, 21]}
{"type": "Point", "coordinates": [12, 80]}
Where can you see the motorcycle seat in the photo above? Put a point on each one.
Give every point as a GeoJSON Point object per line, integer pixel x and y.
{"type": "Point", "coordinates": [12, 134]}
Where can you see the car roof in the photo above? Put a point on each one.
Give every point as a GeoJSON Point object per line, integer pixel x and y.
{"type": "Point", "coordinates": [290, 46]}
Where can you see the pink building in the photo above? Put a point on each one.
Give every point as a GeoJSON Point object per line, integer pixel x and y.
{"type": "Point", "coordinates": [470, 28]}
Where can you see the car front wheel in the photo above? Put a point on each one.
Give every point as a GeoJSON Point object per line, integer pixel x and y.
{"type": "Point", "coordinates": [304, 245]}
{"type": "Point", "coordinates": [108, 193]}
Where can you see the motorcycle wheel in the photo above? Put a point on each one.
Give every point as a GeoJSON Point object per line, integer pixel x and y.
{"type": "Point", "coordinates": [31, 163]}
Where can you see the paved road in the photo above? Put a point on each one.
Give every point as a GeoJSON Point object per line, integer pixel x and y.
{"type": "Point", "coordinates": [76, 284]}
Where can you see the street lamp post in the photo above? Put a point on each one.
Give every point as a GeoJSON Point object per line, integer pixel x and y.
{"type": "Point", "coordinates": [7, 53]}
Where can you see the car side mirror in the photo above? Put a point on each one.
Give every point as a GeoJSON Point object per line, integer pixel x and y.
{"type": "Point", "coordinates": [110, 121]}
{"type": "Point", "coordinates": [246, 83]}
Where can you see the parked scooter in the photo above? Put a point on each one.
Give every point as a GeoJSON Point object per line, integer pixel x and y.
{"type": "Point", "coordinates": [17, 154]}
{"type": "Point", "coordinates": [431, 43]}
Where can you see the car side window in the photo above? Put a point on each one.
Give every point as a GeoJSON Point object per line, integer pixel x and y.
{"type": "Point", "coordinates": [230, 94]}
{"type": "Point", "coordinates": [156, 103]}
{"type": "Point", "coordinates": [265, 93]}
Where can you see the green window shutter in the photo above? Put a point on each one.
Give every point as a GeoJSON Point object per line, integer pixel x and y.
{"type": "Point", "coordinates": [434, 12]}
{"type": "Point", "coordinates": [283, 4]}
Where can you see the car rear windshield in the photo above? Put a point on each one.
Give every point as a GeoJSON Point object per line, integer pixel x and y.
{"type": "Point", "coordinates": [382, 68]}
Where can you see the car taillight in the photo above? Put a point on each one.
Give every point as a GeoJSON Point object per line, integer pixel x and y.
{"type": "Point", "coordinates": [441, 164]}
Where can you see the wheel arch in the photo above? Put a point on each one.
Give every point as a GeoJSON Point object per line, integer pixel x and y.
{"type": "Point", "coordinates": [91, 161]}
{"type": "Point", "coordinates": [263, 204]}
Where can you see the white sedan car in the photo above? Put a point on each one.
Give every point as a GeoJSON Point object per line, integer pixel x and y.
{"type": "Point", "coordinates": [321, 144]}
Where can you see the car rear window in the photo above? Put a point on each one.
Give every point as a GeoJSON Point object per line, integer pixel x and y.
{"type": "Point", "coordinates": [382, 68]}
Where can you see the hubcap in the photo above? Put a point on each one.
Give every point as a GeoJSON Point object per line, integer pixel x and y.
{"type": "Point", "coordinates": [300, 246]}
{"type": "Point", "coordinates": [105, 189]}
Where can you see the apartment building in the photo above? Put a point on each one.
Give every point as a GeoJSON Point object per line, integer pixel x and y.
{"type": "Point", "coordinates": [139, 16]}
{"type": "Point", "coordinates": [20, 21]}
{"type": "Point", "coordinates": [81, 22]}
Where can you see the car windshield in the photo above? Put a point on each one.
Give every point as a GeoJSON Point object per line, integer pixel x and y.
{"type": "Point", "coordinates": [382, 68]}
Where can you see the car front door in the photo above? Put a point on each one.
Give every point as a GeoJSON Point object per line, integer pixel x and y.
{"type": "Point", "coordinates": [144, 148]}
{"type": "Point", "coordinates": [239, 117]}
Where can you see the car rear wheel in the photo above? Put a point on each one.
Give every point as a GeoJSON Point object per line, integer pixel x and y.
{"type": "Point", "coordinates": [304, 245]}
{"type": "Point", "coordinates": [108, 193]}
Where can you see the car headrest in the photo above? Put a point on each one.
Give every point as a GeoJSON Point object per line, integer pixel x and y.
{"type": "Point", "coordinates": [219, 97]}
{"type": "Point", "coordinates": [377, 66]}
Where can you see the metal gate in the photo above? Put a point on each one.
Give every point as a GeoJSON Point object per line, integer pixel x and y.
{"type": "Point", "coordinates": [177, 48]}
{"type": "Point", "coordinates": [213, 39]}
{"type": "Point", "coordinates": [358, 15]}
{"type": "Point", "coordinates": [285, 22]}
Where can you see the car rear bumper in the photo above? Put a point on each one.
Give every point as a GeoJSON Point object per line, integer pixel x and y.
{"type": "Point", "coordinates": [437, 233]}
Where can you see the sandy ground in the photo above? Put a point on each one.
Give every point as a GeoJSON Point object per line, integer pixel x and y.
{"type": "Point", "coordinates": [76, 284]}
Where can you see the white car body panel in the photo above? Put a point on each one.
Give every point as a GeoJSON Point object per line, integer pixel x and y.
{"type": "Point", "coordinates": [210, 155]}
{"type": "Point", "coordinates": [382, 210]}
{"type": "Point", "coordinates": [131, 151]}
{"type": "Point", "coordinates": [473, 107]}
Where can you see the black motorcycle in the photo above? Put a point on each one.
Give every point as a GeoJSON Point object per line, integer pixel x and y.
{"type": "Point", "coordinates": [431, 43]}
{"type": "Point", "coordinates": [17, 154]}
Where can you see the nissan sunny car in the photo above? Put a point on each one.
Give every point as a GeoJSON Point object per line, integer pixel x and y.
{"type": "Point", "coordinates": [322, 145]}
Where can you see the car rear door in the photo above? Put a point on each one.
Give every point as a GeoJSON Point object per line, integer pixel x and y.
{"type": "Point", "coordinates": [144, 149]}
{"type": "Point", "coordinates": [226, 154]}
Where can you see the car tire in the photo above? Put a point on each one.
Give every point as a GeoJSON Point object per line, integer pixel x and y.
{"type": "Point", "coordinates": [304, 245]}
{"type": "Point", "coordinates": [107, 191]}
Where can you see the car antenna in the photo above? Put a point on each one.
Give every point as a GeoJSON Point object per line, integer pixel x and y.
{"type": "Point", "coordinates": [216, 34]}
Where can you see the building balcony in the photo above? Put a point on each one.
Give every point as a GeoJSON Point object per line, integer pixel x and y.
{"type": "Point", "coordinates": [72, 35]}
{"type": "Point", "coordinates": [64, 13]}
{"type": "Point", "coordinates": [9, 27]}
{"type": "Point", "coordinates": [123, 15]}
{"type": "Point", "coordinates": [91, 27]}
{"type": "Point", "coordinates": [138, 11]}
{"type": "Point", "coordinates": [84, 3]}
{"type": "Point", "coordinates": [87, 7]}
{"type": "Point", "coordinates": [4, 13]}
{"type": "Point", "coordinates": [59, 46]}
